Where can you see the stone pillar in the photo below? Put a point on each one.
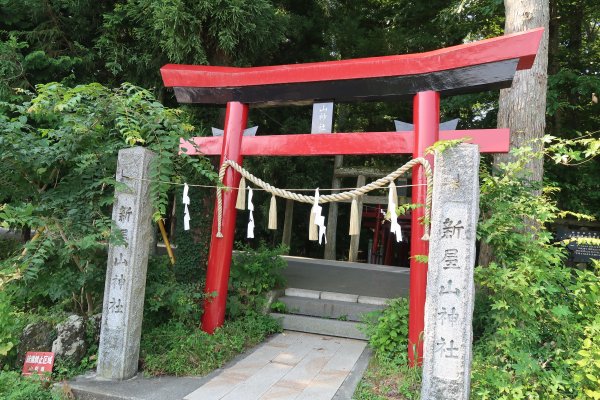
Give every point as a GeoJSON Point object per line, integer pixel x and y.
{"type": "Point", "coordinates": [126, 268]}
{"type": "Point", "coordinates": [450, 287]}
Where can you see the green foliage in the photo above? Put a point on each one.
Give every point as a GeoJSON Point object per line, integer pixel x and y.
{"type": "Point", "coordinates": [532, 312]}
{"type": "Point", "coordinates": [191, 254]}
{"type": "Point", "coordinates": [442, 145]}
{"type": "Point", "coordinates": [8, 247]}
{"type": "Point", "coordinates": [385, 379]}
{"type": "Point", "coordinates": [58, 156]}
{"type": "Point", "coordinates": [143, 35]}
{"type": "Point", "coordinates": [175, 349]}
{"type": "Point", "coordinates": [15, 387]}
{"type": "Point", "coordinates": [253, 274]}
{"type": "Point", "coordinates": [388, 331]}
{"type": "Point", "coordinates": [279, 307]}
{"type": "Point", "coordinates": [168, 299]}
{"type": "Point", "coordinates": [9, 324]}
{"type": "Point", "coordinates": [587, 362]}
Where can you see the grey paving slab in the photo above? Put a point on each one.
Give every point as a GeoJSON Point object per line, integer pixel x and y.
{"type": "Point", "coordinates": [289, 366]}
{"type": "Point", "coordinates": [295, 381]}
{"type": "Point", "coordinates": [255, 386]}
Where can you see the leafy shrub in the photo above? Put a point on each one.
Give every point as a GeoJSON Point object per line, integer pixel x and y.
{"type": "Point", "coordinates": [10, 326]}
{"type": "Point", "coordinates": [586, 371]}
{"type": "Point", "coordinates": [8, 246]}
{"type": "Point", "coordinates": [191, 253]}
{"type": "Point", "coordinates": [167, 299]}
{"type": "Point", "coordinates": [388, 331]}
{"type": "Point", "coordinates": [533, 314]}
{"type": "Point", "coordinates": [176, 349]}
{"type": "Point", "coordinates": [253, 274]}
{"type": "Point", "coordinates": [58, 154]}
{"type": "Point", "coordinates": [15, 387]}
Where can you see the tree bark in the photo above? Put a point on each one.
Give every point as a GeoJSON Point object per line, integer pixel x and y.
{"type": "Point", "coordinates": [553, 62]}
{"type": "Point", "coordinates": [331, 233]}
{"type": "Point", "coordinates": [522, 107]}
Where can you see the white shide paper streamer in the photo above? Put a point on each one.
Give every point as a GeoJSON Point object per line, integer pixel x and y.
{"type": "Point", "coordinates": [392, 206]}
{"type": "Point", "coordinates": [319, 219]}
{"type": "Point", "coordinates": [186, 212]}
{"type": "Point", "coordinates": [251, 215]}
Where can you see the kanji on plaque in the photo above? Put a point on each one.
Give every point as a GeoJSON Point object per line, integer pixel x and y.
{"type": "Point", "coordinates": [451, 229]}
{"type": "Point", "coordinates": [115, 306]}
{"type": "Point", "coordinates": [118, 281]}
{"type": "Point", "coordinates": [448, 289]}
{"type": "Point", "coordinates": [125, 213]}
{"type": "Point", "coordinates": [446, 349]}
{"type": "Point", "coordinates": [450, 259]}
{"type": "Point", "coordinates": [449, 316]}
{"type": "Point", "coordinates": [121, 260]}
{"type": "Point", "coordinates": [38, 363]}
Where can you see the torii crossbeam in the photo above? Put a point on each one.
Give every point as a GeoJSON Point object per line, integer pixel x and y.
{"type": "Point", "coordinates": [473, 67]}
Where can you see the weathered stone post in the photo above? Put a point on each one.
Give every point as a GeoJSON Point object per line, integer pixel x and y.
{"type": "Point", "coordinates": [126, 269]}
{"type": "Point", "coordinates": [450, 287]}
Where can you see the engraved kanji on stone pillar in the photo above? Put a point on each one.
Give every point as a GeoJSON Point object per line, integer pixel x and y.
{"type": "Point", "coordinates": [450, 287]}
{"type": "Point", "coordinates": [126, 268]}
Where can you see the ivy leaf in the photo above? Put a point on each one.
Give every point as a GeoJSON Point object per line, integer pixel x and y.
{"type": "Point", "coordinates": [561, 311]}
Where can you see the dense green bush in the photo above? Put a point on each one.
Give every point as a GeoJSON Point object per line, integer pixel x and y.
{"type": "Point", "coordinates": [253, 274]}
{"type": "Point", "coordinates": [534, 316]}
{"type": "Point", "coordinates": [58, 153]}
{"type": "Point", "coordinates": [389, 375]}
{"type": "Point", "coordinates": [388, 331]}
{"type": "Point", "coordinates": [168, 299]}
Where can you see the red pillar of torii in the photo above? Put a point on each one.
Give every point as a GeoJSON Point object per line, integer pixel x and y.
{"type": "Point", "coordinates": [473, 67]}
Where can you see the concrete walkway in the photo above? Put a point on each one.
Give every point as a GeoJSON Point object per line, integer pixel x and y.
{"type": "Point", "coordinates": [289, 365]}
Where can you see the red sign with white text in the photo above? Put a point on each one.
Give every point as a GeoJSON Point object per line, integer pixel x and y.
{"type": "Point", "coordinates": [38, 362]}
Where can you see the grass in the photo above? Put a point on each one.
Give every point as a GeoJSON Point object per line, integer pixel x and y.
{"type": "Point", "coordinates": [175, 349]}
{"type": "Point", "coordinates": [385, 380]}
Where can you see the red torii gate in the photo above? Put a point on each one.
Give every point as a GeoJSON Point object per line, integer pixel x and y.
{"type": "Point", "coordinates": [473, 67]}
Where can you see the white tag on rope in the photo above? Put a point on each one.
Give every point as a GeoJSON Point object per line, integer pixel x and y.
{"type": "Point", "coordinates": [319, 219]}
{"type": "Point", "coordinates": [250, 234]}
{"type": "Point", "coordinates": [186, 212]}
{"type": "Point", "coordinates": [395, 226]}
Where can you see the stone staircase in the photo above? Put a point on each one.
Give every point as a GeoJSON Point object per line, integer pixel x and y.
{"type": "Point", "coordinates": [326, 313]}
{"type": "Point", "coordinates": [330, 297]}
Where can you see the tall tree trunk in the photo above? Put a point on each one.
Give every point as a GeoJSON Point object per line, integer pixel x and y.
{"type": "Point", "coordinates": [556, 121]}
{"type": "Point", "coordinates": [522, 107]}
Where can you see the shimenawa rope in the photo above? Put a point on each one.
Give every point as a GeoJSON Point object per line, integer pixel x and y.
{"type": "Point", "coordinates": [328, 198]}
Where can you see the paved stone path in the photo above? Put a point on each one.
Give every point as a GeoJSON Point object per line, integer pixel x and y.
{"type": "Point", "coordinates": [290, 365]}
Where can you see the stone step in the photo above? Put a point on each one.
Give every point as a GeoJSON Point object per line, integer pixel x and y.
{"type": "Point", "coordinates": [331, 309]}
{"type": "Point", "coordinates": [322, 326]}
{"type": "Point", "coordinates": [346, 277]}
{"type": "Point", "coordinates": [345, 297]}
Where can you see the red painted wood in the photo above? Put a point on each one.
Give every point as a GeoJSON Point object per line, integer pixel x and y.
{"type": "Point", "coordinates": [522, 46]}
{"type": "Point", "coordinates": [489, 141]}
{"type": "Point", "coordinates": [426, 114]}
{"type": "Point", "coordinates": [219, 256]}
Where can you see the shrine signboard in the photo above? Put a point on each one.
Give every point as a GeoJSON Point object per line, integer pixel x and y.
{"type": "Point", "coordinates": [125, 283]}
{"type": "Point", "coordinates": [38, 363]}
{"type": "Point", "coordinates": [450, 285]}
